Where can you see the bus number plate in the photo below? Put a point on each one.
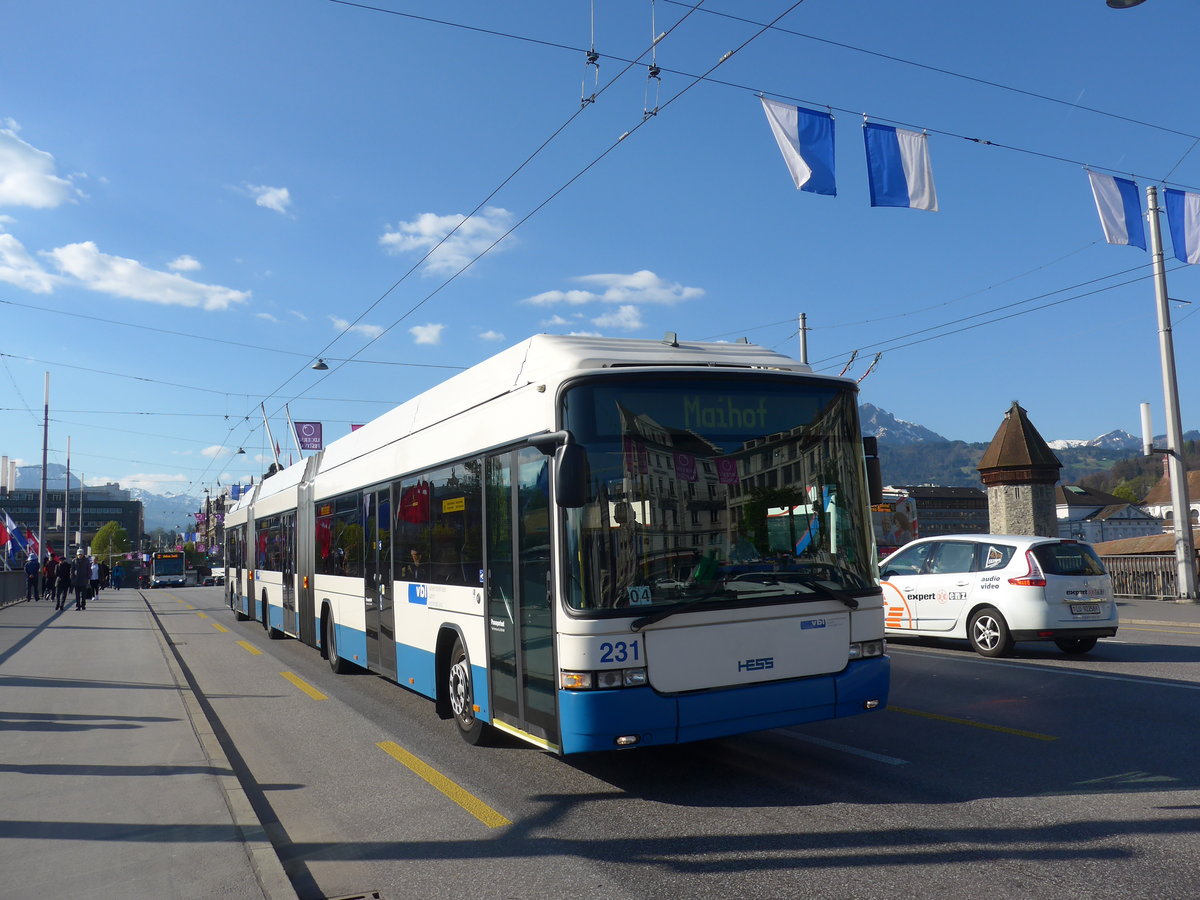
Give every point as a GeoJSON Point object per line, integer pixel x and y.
{"type": "Point", "coordinates": [639, 596]}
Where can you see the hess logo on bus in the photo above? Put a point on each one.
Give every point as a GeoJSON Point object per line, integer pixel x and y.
{"type": "Point", "coordinates": [756, 665]}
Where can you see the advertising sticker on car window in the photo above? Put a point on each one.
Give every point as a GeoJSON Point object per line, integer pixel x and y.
{"type": "Point", "coordinates": [995, 557]}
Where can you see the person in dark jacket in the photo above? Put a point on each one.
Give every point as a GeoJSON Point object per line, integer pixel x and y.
{"type": "Point", "coordinates": [31, 578]}
{"type": "Point", "coordinates": [62, 583]}
{"type": "Point", "coordinates": [81, 579]}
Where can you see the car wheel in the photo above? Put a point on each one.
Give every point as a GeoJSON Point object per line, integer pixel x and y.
{"type": "Point", "coordinates": [988, 633]}
{"type": "Point", "coordinates": [462, 696]}
{"type": "Point", "coordinates": [1076, 645]}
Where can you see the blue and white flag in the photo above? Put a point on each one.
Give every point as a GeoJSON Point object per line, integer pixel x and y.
{"type": "Point", "coordinates": [1120, 209]}
{"type": "Point", "coordinates": [898, 167]}
{"type": "Point", "coordinates": [805, 139]}
{"type": "Point", "coordinates": [1183, 218]}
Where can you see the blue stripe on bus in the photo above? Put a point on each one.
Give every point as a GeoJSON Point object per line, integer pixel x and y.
{"type": "Point", "coordinates": [591, 720]}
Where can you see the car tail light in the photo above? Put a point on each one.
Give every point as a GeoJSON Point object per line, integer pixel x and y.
{"type": "Point", "coordinates": [1034, 577]}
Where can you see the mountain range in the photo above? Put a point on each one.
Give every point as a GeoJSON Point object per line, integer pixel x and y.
{"type": "Point", "coordinates": [909, 453]}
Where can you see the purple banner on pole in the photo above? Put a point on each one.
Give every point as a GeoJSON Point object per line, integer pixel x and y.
{"type": "Point", "coordinates": [309, 435]}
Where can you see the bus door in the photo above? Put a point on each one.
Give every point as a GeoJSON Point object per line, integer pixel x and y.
{"type": "Point", "coordinates": [519, 588]}
{"type": "Point", "coordinates": [377, 586]}
{"type": "Point", "coordinates": [287, 538]}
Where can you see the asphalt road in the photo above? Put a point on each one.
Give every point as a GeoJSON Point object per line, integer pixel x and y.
{"type": "Point", "coordinates": [1037, 776]}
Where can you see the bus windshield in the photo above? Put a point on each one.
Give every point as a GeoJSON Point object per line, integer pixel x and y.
{"type": "Point", "coordinates": [171, 564]}
{"type": "Point", "coordinates": [723, 489]}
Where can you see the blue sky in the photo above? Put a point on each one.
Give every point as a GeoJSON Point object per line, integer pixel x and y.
{"type": "Point", "coordinates": [197, 199]}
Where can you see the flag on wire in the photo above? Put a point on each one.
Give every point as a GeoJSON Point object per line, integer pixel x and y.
{"type": "Point", "coordinates": [1183, 219]}
{"type": "Point", "coordinates": [1120, 209]}
{"type": "Point", "coordinates": [805, 139]}
{"type": "Point", "coordinates": [898, 167]}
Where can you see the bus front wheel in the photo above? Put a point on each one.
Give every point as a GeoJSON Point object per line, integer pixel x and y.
{"type": "Point", "coordinates": [461, 691]}
{"type": "Point", "coordinates": [339, 665]}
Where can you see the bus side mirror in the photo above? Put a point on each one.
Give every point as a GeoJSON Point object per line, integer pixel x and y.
{"type": "Point", "coordinates": [874, 472]}
{"type": "Point", "coordinates": [570, 476]}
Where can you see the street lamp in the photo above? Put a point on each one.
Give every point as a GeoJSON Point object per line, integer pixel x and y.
{"type": "Point", "coordinates": [1124, 4]}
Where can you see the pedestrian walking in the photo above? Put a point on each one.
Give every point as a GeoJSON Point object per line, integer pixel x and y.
{"type": "Point", "coordinates": [31, 578]}
{"type": "Point", "coordinates": [95, 579]}
{"type": "Point", "coordinates": [117, 575]}
{"type": "Point", "coordinates": [62, 583]}
{"type": "Point", "coordinates": [48, 577]}
{"type": "Point", "coordinates": [81, 579]}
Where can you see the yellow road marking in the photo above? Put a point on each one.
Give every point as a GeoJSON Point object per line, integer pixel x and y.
{"type": "Point", "coordinates": [187, 605]}
{"type": "Point", "coordinates": [246, 645]}
{"type": "Point", "coordinates": [219, 627]}
{"type": "Point", "coordinates": [459, 795]}
{"type": "Point", "coordinates": [304, 686]}
{"type": "Point", "coordinates": [202, 615]}
{"type": "Point", "coordinates": [957, 721]}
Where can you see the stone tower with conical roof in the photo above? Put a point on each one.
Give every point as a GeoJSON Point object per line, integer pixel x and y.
{"type": "Point", "coordinates": [1019, 471]}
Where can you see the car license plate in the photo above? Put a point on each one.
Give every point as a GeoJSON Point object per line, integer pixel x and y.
{"type": "Point", "coordinates": [1085, 609]}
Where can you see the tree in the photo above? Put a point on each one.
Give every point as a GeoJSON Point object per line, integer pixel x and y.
{"type": "Point", "coordinates": [111, 540]}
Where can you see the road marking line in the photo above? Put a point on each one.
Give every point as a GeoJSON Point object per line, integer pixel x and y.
{"type": "Point", "coordinates": [957, 721]}
{"type": "Point", "coordinates": [221, 628]}
{"type": "Point", "coordinates": [304, 686]}
{"type": "Point", "coordinates": [246, 645]}
{"type": "Point", "coordinates": [202, 615]}
{"type": "Point", "coordinates": [844, 748]}
{"type": "Point", "coordinates": [459, 795]}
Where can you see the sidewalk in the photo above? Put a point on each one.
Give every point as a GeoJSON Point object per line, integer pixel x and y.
{"type": "Point", "coordinates": [1159, 612]}
{"type": "Point", "coordinates": [111, 781]}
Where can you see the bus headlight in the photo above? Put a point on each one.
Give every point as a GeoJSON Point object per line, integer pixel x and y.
{"type": "Point", "coordinates": [605, 679]}
{"type": "Point", "coordinates": [867, 649]}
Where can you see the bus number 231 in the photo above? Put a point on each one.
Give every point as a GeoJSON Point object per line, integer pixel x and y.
{"type": "Point", "coordinates": [619, 652]}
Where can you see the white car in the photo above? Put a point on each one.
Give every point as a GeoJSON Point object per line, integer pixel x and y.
{"type": "Point", "coordinates": [995, 589]}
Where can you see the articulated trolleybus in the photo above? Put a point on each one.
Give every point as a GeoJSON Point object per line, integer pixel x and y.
{"type": "Point", "coordinates": [588, 543]}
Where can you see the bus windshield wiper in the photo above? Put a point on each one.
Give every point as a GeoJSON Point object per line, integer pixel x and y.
{"type": "Point", "coordinates": [829, 593]}
{"type": "Point", "coordinates": [639, 624]}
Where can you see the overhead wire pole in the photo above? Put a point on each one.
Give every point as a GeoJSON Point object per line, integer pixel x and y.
{"type": "Point", "coordinates": [41, 536]}
{"type": "Point", "coordinates": [1185, 553]}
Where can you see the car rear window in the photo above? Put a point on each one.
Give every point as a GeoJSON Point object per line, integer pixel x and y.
{"type": "Point", "coordinates": [1068, 559]}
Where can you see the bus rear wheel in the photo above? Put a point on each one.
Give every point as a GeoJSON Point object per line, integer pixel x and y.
{"type": "Point", "coordinates": [461, 691]}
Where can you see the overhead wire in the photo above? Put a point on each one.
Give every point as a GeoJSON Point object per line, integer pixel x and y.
{"type": "Point", "coordinates": [630, 64]}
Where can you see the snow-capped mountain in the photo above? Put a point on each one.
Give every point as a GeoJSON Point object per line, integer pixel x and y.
{"type": "Point", "coordinates": [883, 425]}
{"type": "Point", "coordinates": [1113, 440]}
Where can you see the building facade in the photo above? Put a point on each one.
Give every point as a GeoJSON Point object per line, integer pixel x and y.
{"type": "Point", "coordinates": [99, 505]}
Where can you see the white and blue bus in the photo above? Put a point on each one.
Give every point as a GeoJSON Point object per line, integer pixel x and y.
{"type": "Point", "coordinates": [589, 543]}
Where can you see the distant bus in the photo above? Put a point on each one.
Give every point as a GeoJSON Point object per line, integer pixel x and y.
{"type": "Point", "coordinates": [166, 569]}
{"type": "Point", "coordinates": [548, 543]}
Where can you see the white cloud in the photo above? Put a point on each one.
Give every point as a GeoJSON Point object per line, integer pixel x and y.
{"type": "Point", "coordinates": [492, 335]}
{"type": "Point", "coordinates": [627, 318]}
{"type": "Point", "coordinates": [472, 237]}
{"type": "Point", "coordinates": [19, 268]}
{"type": "Point", "coordinates": [299, 315]}
{"type": "Point", "coordinates": [157, 484]}
{"type": "Point", "coordinates": [216, 451]}
{"type": "Point", "coordinates": [267, 316]}
{"type": "Point", "coordinates": [637, 288]}
{"type": "Point", "coordinates": [368, 331]}
{"type": "Point", "coordinates": [427, 334]}
{"type": "Point", "coordinates": [122, 277]}
{"type": "Point", "coordinates": [571, 298]}
{"type": "Point", "coordinates": [276, 198]}
{"type": "Point", "coordinates": [184, 263]}
{"type": "Point", "coordinates": [557, 321]}
{"type": "Point", "coordinates": [27, 176]}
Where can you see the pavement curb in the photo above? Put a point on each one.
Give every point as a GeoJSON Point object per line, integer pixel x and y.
{"type": "Point", "coordinates": [1195, 625]}
{"type": "Point", "coordinates": [268, 869]}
